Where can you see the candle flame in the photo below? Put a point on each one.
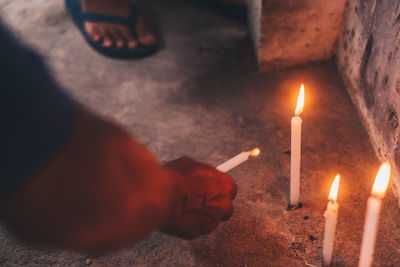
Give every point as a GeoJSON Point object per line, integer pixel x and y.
{"type": "Point", "coordinates": [300, 101]}
{"type": "Point", "coordinates": [382, 180]}
{"type": "Point", "coordinates": [334, 189]}
{"type": "Point", "coordinates": [255, 152]}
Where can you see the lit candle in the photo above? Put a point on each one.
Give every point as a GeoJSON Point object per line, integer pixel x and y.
{"type": "Point", "coordinates": [296, 151]}
{"type": "Point", "coordinates": [237, 160]}
{"type": "Point", "coordinates": [330, 214]}
{"type": "Point", "coordinates": [372, 217]}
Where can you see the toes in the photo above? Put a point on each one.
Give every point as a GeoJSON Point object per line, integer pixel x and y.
{"type": "Point", "coordinates": [145, 36]}
{"type": "Point", "coordinates": [96, 37]}
{"type": "Point", "coordinates": [147, 40]}
{"type": "Point", "coordinates": [107, 40]}
{"type": "Point", "coordinates": [119, 39]}
{"type": "Point", "coordinates": [131, 43]}
{"type": "Point", "coordinates": [93, 32]}
{"type": "Point", "coordinates": [116, 35]}
{"type": "Point", "coordinates": [111, 37]}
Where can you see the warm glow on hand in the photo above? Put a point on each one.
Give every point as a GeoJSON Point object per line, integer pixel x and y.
{"type": "Point", "coordinates": [334, 189]}
{"type": "Point", "coordinates": [382, 180]}
{"type": "Point", "coordinates": [300, 101]}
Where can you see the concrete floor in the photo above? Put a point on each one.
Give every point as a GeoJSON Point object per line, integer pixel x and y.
{"type": "Point", "coordinates": [201, 96]}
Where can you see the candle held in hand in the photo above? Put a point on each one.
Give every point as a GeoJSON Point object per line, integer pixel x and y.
{"type": "Point", "coordinates": [372, 217]}
{"type": "Point", "coordinates": [295, 154]}
{"type": "Point", "coordinates": [237, 160]}
{"type": "Point", "coordinates": [330, 214]}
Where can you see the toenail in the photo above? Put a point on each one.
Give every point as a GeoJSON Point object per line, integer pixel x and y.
{"type": "Point", "coordinates": [120, 43]}
{"type": "Point", "coordinates": [132, 44]}
{"type": "Point", "coordinates": [107, 43]}
{"type": "Point", "coordinates": [149, 38]}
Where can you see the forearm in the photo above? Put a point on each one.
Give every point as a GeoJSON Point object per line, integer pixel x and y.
{"type": "Point", "coordinates": [81, 183]}
{"type": "Point", "coordinates": [129, 202]}
{"type": "Point", "coordinates": [102, 191]}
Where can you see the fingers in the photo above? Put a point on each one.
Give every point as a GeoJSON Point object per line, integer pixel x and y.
{"type": "Point", "coordinates": [208, 189]}
{"type": "Point", "coordinates": [228, 214]}
{"type": "Point", "coordinates": [208, 198]}
{"type": "Point", "coordinates": [209, 226]}
{"type": "Point", "coordinates": [199, 224]}
{"type": "Point", "coordinates": [220, 209]}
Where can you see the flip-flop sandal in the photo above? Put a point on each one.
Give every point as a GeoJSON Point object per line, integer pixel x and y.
{"type": "Point", "coordinates": [80, 17]}
{"type": "Point", "coordinates": [232, 11]}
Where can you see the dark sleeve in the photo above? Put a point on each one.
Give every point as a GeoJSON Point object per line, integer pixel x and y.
{"type": "Point", "coordinates": [35, 115]}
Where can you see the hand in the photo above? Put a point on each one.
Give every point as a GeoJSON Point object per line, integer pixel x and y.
{"type": "Point", "coordinates": [204, 201]}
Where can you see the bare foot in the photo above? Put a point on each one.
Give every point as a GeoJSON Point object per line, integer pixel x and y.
{"type": "Point", "coordinates": [111, 34]}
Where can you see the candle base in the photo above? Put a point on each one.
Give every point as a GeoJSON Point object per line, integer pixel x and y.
{"type": "Point", "coordinates": [293, 207]}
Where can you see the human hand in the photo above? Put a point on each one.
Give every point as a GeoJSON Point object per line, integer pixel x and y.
{"type": "Point", "coordinates": [205, 199]}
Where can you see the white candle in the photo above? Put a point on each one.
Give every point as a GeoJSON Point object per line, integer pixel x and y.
{"type": "Point", "coordinates": [372, 216]}
{"type": "Point", "coordinates": [330, 214]}
{"type": "Point", "coordinates": [237, 160]}
{"type": "Point", "coordinates": [295, 151]}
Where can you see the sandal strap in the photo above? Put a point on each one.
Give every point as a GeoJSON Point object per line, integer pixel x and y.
{"type": "Point", "coordinates": [131, 20]}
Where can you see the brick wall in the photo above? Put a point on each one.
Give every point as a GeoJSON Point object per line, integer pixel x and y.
{"type": "Point", "coordinates": [290, 32]}
{"type": "Point", "coordinates": [368, 59]}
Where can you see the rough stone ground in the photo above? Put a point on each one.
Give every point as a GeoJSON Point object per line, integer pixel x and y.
{"type": "Point", "coordinates": [201, 96]}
